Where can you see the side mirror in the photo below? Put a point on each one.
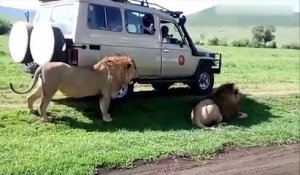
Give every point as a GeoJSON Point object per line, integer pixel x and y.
{"type": "Point", "coordinates": [27, 15]}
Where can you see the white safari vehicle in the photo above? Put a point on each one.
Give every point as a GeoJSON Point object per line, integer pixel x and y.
{"type": "Point", "coordinates": [79, 32]}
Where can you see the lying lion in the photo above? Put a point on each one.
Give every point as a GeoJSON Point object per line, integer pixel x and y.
{"type": "Point", "coordinates": [222, 104]}
{"type": "Point", "coordinates": [104, 79]}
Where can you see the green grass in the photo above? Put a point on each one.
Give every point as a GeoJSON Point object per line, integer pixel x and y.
{"type": "Point", "coordinates": [254, 65]}
{"type": "Point", "coordinates": [79, 141]}
{"type": "Point", "coordinates": [149, 126]}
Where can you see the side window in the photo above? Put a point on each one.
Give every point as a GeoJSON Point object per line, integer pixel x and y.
{"type": "Point", "coordinates": [139, 23]}
{"type": "Point", "coordinates": [114, 19]}
{"type": "Point", "coordinates": [170, 32]}
{"type": "Point", "coordinates": [96, 17]}
{"type": "Point", "coordinates": [104, 18]}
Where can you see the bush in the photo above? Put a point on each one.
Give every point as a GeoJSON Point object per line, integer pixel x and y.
{"type": "Point", "coordinates": [255, 44]}
{"type": "Point", "coordinates": [240, 43]}
{"type": "Point", "coordinates": [272, 45]}
{"type": "Point", "coordinates": [291, 46]}
{"type": "Point", "coordinates": [5, 27]}
{"type": "Point", "coordinates": [223, 43]}
{"type": "Point", "coordinates": [214, 42]}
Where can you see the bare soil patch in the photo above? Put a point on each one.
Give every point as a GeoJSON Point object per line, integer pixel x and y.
{"type": "Point", "coordinates": [270, 160]}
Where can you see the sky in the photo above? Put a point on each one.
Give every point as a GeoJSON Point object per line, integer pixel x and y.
{"type": "Point", "coordinates": [192, 6]}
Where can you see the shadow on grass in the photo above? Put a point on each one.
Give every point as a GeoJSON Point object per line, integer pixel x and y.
{"type": "Point", "coordinates": [149, 110]}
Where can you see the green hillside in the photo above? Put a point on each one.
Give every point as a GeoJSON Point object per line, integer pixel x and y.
{"type": "Point", "coordinates": [209, 17]}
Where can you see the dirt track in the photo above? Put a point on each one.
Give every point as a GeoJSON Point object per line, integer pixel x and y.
{"type": "Point", "coordinates": [258, 161]}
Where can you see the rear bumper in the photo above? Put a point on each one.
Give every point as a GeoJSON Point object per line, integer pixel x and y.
{"type": "Point", "coordinates": [216, 68]}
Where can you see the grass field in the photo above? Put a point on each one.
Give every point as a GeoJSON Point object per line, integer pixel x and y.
{"type": "Point", "coordinates": [149, 126]}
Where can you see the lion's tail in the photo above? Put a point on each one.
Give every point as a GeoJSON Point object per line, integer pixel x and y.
{"type": "Point", "coordinates": [35, 78]}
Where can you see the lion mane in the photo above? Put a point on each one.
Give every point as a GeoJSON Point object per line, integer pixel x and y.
{"type": "Point", "coordinates": [222, 104]}
{"type": "Point", "coordinates": [105, 79]}
{"type": "Point", "coordinates": [116, 67]}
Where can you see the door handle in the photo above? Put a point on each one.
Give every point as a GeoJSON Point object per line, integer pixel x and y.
{"type": "Point", "coordinates": [167, 50]}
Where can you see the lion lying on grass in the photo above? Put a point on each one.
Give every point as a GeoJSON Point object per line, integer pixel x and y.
{"type": "Point", "coordinates": [104, 79]}
{"type": "Point", "coordinates": [222, 104]}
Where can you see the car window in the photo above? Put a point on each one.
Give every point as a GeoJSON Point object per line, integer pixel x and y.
{"type": "Point", "coordinates": [104, 18]}
{"type": "Point", "coordinates": [139, 23]}
{"type": "Point", "coordinates": [63, 17]}
{"type": "Point", "coordinates": [114, 19]}
{"type": "Point", "coordinates": [44, 14]}
{"type": "Point", "coordinates": [60, 16]}
{"type": "Point", "coordinates": [170, 32]}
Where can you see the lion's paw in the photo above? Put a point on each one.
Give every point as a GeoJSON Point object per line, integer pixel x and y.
{"type": "Point", "coordinates": [107, 118]}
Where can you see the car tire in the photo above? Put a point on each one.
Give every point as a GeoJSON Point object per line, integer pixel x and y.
{"type": "Point", "coordinates": [161, 87]}
{"type": "Point", "coordinates": [204, 81]}
{"type": "Point", "coordinates": [47, 44]}
{"type": "Point", "coordinates": [19, 41]}
{"type": "Point", "coordinates": [124, 94]}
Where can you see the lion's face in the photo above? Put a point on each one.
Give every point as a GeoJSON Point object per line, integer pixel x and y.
{"type": "Point", "coordinates": [234, 96]}
{"type": "Point", "coordinates": [120, 68]}
{"type": "Point", "coordinates": [131, 72]}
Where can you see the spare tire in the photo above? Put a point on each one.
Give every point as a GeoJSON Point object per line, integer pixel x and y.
{"type": "Point", "coordinates": [18, 43]}
{"type": "Point", "coordinates": [47, 43]}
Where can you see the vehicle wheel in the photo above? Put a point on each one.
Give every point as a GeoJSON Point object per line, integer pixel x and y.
{"type": "Point", "coordinates": [124, 94]}
{"type": "Point", "coordinates": [161, 87]}
{"type": "Point", "coordinates": [204, 81]}
{"type": "Point", "coordinates": [18, 44]}
{"type": "Point", "coordinates": [47, 43]}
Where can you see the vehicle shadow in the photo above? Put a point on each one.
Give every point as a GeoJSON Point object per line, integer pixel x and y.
{"type": "Point", "coordinates": [149, 110]}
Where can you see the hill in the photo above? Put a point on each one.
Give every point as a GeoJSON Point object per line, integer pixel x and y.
{"type": "Point", "coordinates": [14, 14]}
{"type": "Point", "coordinates": [210, 17]}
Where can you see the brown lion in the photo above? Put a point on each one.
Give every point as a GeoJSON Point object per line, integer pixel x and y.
{"type": "Point", "coordinates": [221, 105]}
{"type": "Point", "coordinates": [104, 79]}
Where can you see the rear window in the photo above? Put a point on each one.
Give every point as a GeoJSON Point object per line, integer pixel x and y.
{"type": "Point", "coordinates": [104, 18]}
{"type": "Point", "coordinates": [60, 16]}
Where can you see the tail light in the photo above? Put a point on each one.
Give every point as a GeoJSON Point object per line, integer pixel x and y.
{"type": "Point", "coordinates": [73, 57]}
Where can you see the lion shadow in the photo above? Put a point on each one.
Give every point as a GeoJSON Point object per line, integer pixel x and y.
{"type": "Point", "coordinates": [150, 110]}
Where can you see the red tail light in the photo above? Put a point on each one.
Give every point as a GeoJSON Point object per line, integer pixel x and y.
{"type": "Point", "coordinates": [73, 57]}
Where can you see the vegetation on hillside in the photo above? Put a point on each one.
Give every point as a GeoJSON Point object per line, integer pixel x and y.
{"type": "Point", "coordinates": [5, 26]}
{"type": "Point", "coordinates": [262, 37]}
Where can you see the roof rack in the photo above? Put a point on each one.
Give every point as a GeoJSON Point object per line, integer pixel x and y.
{"type": "Point", "coordinates": [145, 3]}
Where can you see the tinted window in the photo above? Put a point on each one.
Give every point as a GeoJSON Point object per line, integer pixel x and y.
{"type": "Point", "coordinates": [140, 23]}
{"type": "Point", "coordinates": [96, 17]}
{"type": "Point", "coordinates": [114, 19]}
{"type": "Point", "coordinates": [104, 18]}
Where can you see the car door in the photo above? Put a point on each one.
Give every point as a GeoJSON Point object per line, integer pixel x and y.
{"type": "Point", "coordinates": [175, 57]}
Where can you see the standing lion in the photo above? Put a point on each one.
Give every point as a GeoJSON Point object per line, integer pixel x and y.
{"type": "Point", "coordinates": [222, 104]}
{"type": "Point", "coordinates": [104, 79]}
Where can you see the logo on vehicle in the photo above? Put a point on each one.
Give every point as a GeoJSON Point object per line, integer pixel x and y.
{"type": "Point", "coordinates": [181, 60]}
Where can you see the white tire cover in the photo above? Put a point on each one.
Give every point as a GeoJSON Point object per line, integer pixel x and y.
{"type": "Point", "coordinates": [18, 43]}
{"type": "Point", "coordinates": [46, 43]}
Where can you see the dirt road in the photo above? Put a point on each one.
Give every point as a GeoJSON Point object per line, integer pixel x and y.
{"type": "Point", "coordinates": [259, 161]}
